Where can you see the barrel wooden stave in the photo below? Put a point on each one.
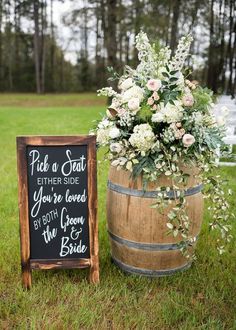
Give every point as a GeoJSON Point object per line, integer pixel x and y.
{"type": "Point", "coordinates": [160, 260]}
{"type": "Point", "coordinates": [131, 219]}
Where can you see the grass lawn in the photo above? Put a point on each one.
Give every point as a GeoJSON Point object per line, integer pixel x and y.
{"type": "Point", "coordinates": [202, 297]}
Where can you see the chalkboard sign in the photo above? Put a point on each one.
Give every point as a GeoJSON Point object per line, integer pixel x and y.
{"type": "Point", "coordinates": [57, 203]}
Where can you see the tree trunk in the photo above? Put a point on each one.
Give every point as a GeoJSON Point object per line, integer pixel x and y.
{"type": "Point", "coordinates": [168, 23]}
{"type": "Point", "coordinates": [1, 62]}
{"type": "Point", "coordinates": [111, 33]}
{"type": "Point", "coordinates": [137, 26]}
{"type": "Point", "coordinates": [52, 48]}
{"type": "Point", "coordinates": [17, 59]}
{"type": "Point", "coordinates": [174, 25]}
{"type": "Point", "coordinates": [43, 43]}
{"type": "Point", "coordinates": [222, 46]}
{"type": "Point", "coordinates": [234, 56]}
{"type": "Point", "coordinates": [230, 50]}
{"type": "Point", "coordinates": [37, 46]}
{"type": "Point", "coordinates": [127, 48]}
{"type": "Point", "coordinates": [210, 73]}
{"type": "Point", "coordinates": [8, 45]}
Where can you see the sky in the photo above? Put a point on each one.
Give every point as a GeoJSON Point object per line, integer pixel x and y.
{"type": "Point", "coordinates": [70, 42]}
{"type": "Point", "coordinates": [63, 33]}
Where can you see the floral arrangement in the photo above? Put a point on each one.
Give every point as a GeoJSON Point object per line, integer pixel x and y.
{"type": "Point", "coordinates": [158, 118]}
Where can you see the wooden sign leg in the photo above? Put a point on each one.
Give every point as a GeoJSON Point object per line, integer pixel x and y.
{"type": "Point", "coordinates": [26, 276]}
{"type": "Point", "coordinates": [94, 270]}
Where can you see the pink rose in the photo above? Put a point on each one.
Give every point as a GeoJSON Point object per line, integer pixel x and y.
{"type": "Point", "coordinates": [121, 111]}
{"type": "Point", "coordinates": [188, 100]}
{"type": "Point", "coordinates": [154, 107]}
{"type": "Point", "coordinates": [188, 140]}
{"type": "Point", "coordinates": [153, 84]}
{"type": "Point", "coordinates": [150, 101]}
{"type": "Point", "coordinates": [155, 96]}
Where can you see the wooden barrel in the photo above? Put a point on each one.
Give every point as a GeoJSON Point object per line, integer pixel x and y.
{"type": "Point", "coordinates": [138, 233]}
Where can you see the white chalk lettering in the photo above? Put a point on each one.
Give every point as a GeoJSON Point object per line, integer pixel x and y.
{"type": "Point", "coordinates": [48, 234]}
{"type": "Point", "coordinates": [67, 221]}
{"type": "Point", "coordinates": [41, 166]}
{"type": "Point", "coordinates": [73, 165]}
{"type": "Point", "coordinates": [39, 198]}
{"type": "Point", "coordinates": [70, 248]}
{"type": "Point", "coordinates": [79, 198]}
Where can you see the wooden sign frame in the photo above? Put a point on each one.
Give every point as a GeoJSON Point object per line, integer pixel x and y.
{"type": "Point", "coordinates": [27, 263]}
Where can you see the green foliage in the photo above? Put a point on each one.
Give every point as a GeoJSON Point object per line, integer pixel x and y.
{"type": "Point", "coordinates": [144, 114]}
{"type": "Point", "coordinates": [113, 74]}
{"type": "Point", "coordinates": [212, 138]}
{"type": "Point", "coordinates": [171, 91]}
{"type": "Point", "coordinates": [202, 98]}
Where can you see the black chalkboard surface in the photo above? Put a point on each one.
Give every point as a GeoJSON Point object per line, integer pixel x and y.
{"type": "Point", "coordinates": [58, 203]}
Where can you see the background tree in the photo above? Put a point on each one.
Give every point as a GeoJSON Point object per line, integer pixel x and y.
{"type": "Point", "coordinates": [102, 33]}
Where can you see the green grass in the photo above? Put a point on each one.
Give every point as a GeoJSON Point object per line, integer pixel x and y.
{"type": "Point", "coordinates": [202, 297]}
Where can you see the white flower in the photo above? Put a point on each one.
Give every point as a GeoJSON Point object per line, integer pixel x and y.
{"type": "Point", "coordinates": [116, 147]}
{"type": "Point", "coordinates": [142, 137]}
{"type": "Point", "coordinates": [153, 84]}
{"type": "Point", "coordinates": [126, 84]}
{"type": "Point", "coordinates": [180, 77]}
{"type": "Point", "coordinates": [104, 123]}
{"type": "Point", "coordinates": [133, 104]}
{"type": "Point", "coordinates": [106, 91]}
{"type": "Point", "coordinates": [133, 92]}
{"type": "Point", "coordinates": [114, 133]}
{"type": "Point", "coordinates": [172, 112]}
{"type": "Point", "coordinates": [115, 103]}
{"type": "Point", "coordinates": [157, 117]}
{"type": "Point", "coordinates": [188, 140]}
{"type": "Point", "coordinates": [198, 118]}
{"type": "Point", "coordinates": [102, 136]}
{"type": "Point", "coordinates": [188, 100]}
{"type": "Point", "coordinates": [181, 53]}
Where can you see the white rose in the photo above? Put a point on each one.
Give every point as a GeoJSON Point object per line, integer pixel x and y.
{"type": "Point", "coordinates": [157, 117]}
{"type": "Point", "coordinates": [115, 147]}
{"type": "Point", "coordinates": [115, 103]}
{"type": "Point", "coordinates": [188, 140]}
{"type": "Point", "coordinates": [188, 100]}
{"type": "Point", "coordinates": [126, 84]}
{"type": "Point", "coordinates": [104, 123]}
{"type": "Point", "coordinates": [153, 84]}
{"type": "Point", "coordinates": [114, 133]}
{"type": "Point", "coordinates": [102, 136]}
{"type": "Point", "coordinates": [133, 104]}
{"type": "Point", "coordinates": [133, 92]}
